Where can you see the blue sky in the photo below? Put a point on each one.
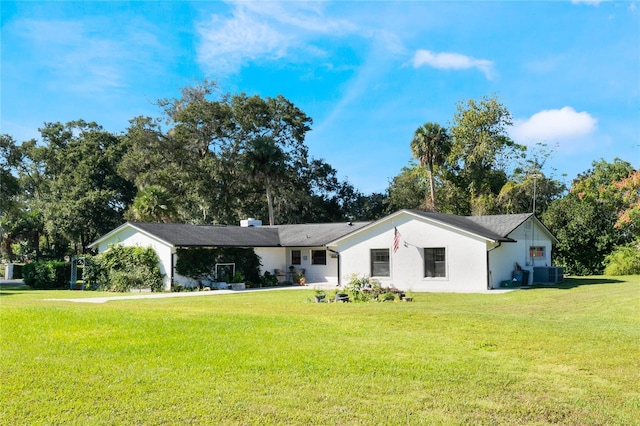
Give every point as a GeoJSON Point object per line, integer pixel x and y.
{"type": "Point", "coordinates": [368, 73]}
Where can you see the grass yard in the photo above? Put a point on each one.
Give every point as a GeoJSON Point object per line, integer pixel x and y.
{"type": "Point", "coordinates": [566, 355]}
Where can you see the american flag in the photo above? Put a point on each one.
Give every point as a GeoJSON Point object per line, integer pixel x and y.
{"type": "Point", "coordinates": [396, 239]}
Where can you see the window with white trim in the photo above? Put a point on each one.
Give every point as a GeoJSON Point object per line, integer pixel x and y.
{"type": "Point", "coordinates": [536, 251]}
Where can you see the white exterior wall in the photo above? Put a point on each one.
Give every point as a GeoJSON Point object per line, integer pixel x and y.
{"type": "Point", "coordinates": [131, 237]}
{"type": "Point", "coordinates": [466, 255]}
{"type": "Point", "coordinates": [503, 260]}
{"type": "Point", "coordinates": [316, 273]}
{"type": "Point", "coordinates": [280, 258]}
{"type": "Point", "coordinates": [271, 259]}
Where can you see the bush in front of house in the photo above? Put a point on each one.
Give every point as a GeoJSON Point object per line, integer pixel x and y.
{"type": "Point", "coordinates": [121, 269]}
{"type": "Point", "coordinates": [47, 275]}
{"type": "Point", "coordinates": [365, 289]}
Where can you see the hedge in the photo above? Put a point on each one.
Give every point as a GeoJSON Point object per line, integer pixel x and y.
{"type": "Point", "coordinates": [47, 275]}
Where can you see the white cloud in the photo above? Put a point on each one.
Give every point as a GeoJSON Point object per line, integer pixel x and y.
{"type": "Point", "coordinates": [82, 59]}
{"type": "Point", "coordinates": [264, 31]}
{"type": "Point", "coordinates": [563, 124]}
{"type": "Point", "coordinates": [589, 2]}
{"type": "Point", "coordinates": [451, 60]}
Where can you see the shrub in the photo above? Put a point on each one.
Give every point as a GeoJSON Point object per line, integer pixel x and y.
{"type": "Point", "coordinates": [121, 269]}
{"type": "Point", "coordinates": [624, 260]}
{"type": "Point", "coordinates": [268, 280]}
{"type": "Point", "coordinates": [363, 289]}
{"type": "Point", "coordinates": [47, 275]}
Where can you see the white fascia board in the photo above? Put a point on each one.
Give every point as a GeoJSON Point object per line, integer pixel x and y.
{"type": "Point", "coordinates": [128, 225]}
{"type": "Point", "coordinates": [416, 216]}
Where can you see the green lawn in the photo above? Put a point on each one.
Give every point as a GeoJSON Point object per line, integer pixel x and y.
{"type": "Point", "coordinates": [540, 356]}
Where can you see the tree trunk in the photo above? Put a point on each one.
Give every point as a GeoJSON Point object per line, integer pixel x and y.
{"type": "Point", "coordinates": [432, 187]}
{"type": "Point", "coordinates": [270, 204]}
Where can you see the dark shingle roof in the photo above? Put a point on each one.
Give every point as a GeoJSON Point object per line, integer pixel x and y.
{"type": "Point", "coordinates": [493, 227]}
{"type": "Point", "coordinates": [182, 235]}
{"type": "Point", "coordinates": [303, 235]}
{"type": "Point", "coordinates": [315, 235]}
{"type": "Point", "coordinates": [501, 224]}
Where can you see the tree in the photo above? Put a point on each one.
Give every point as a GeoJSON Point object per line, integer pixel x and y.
{"type": "Point", "coordinates": [431, 146]}
{"type": "Point", "coordinates": [517, 195]}
{"type": "Point", "coordinates": [153, 204]}
{"type": "Point", "coordinates": [481, 149]}
{"type": "Point", "coordinates": [405, 190]}
{"type": "Point", "coordinates": [71, 179]}
{"type": "Point", "coordinates": [584, 220]}
{"type": "Point", "coordinates": [266, 163]}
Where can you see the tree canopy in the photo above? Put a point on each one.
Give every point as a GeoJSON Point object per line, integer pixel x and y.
{"type": "Point", "coordinates": [216, 158]}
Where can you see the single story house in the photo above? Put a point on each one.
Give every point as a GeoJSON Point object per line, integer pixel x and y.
{"type": "Point", "coordinates": [426, 251]}
{"type": "Point", "coordinates": [409, 249]}
{"type": "Point", "coordinates": [301, 246]}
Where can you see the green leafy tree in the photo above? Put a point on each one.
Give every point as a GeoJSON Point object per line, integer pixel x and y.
{"type": "Point", "coordinates": [406, 189]}
{"type": "Point", "coordinates": [481, 150]}
{"type": "Point", "coordinates": [266, 162]}
{"type": "Point", "coordinates": [584, 220]}
{"type": "Point", "coordinates": [431, 145]}
{"type": "Point", "coordinates": [153, 204]}
{"type": "Point", "coordinates": [79, 192]}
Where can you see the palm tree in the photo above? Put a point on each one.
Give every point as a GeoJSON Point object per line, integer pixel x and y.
{"type": "Point", "coordinates": [266, 162]}
{"type": "Point", "coordinates": [430, 146]}
{"type": "Point", "coordinates": [153, 204]}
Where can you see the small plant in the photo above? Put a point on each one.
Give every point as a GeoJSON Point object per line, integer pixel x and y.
{"type": "Point", "coordinates": [268, 280]}
{"type": "Point", "coordinates": [388, 297]}
{"type": "Point", "coordinates": [238, 277]}
{"type": "Point", "coordinates": [320, 295]}
{"type": "Point", "coordinates": [363, 289]}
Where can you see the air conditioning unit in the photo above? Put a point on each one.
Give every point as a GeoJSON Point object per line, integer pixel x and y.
{"type": "Point", "coordinates": [548, 274]}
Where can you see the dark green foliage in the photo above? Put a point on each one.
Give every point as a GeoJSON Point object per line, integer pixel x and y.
{"type": "Point", "coordinates": [121, 269]}
{"type": "Point", "coordinates": [268, 280]}
{"type": "Point", "coordinates": [47, 275]}
{"type": "Point", "coordinates": [584, 220]}
{"type": "Point", "coordinates": [200, 263]}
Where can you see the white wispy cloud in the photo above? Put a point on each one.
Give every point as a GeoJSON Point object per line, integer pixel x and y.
{"type": "Point", "coordinates": [589, 2]}
{"type": "Point", "coordinates": [81, 59]}
{"type": "Point", "coordinates": [553, 125]}
{"type": "Point", "coordinates": [263, 31]}
{"type": "Point", "coordinates": [453, 61]}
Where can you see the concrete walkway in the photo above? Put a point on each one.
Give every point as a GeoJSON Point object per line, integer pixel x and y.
{"type": "Point", "coordinates": [149, 295]}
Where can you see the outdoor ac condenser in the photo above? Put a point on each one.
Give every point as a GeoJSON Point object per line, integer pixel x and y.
{"type": "Point", "coordinates": [548, 274]}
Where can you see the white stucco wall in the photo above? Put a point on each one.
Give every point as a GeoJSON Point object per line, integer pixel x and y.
{"type": "Point", "coordinates": [280, 258]}
{"type": "Point", "coordinates": [128, 236]}
{"type": "Point", "coordinates": [271, 258]}
{"type": "Point", "coordinates": [503, 259]}
{"type": "Point", "coordinates": [466, 261]}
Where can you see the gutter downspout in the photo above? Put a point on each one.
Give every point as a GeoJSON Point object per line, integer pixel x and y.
{"type": "Point", "coordinates": [173, 268]}
{"type": "Point", "coordinates": [338, 255]}
{"type": "Point", "coordinates": [489, 266]}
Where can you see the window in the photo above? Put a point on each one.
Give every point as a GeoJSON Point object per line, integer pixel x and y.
{"type": "Point", "coordinates": [435, 262]}
{"type": "Point", "coordinates": [296, 257]}
{"type": "Point", "coordinates": [380, 263]}
{"type": "Point", "coordinates": [536, 251]}
{"type": "Point", "coordinates": [318, 257]}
